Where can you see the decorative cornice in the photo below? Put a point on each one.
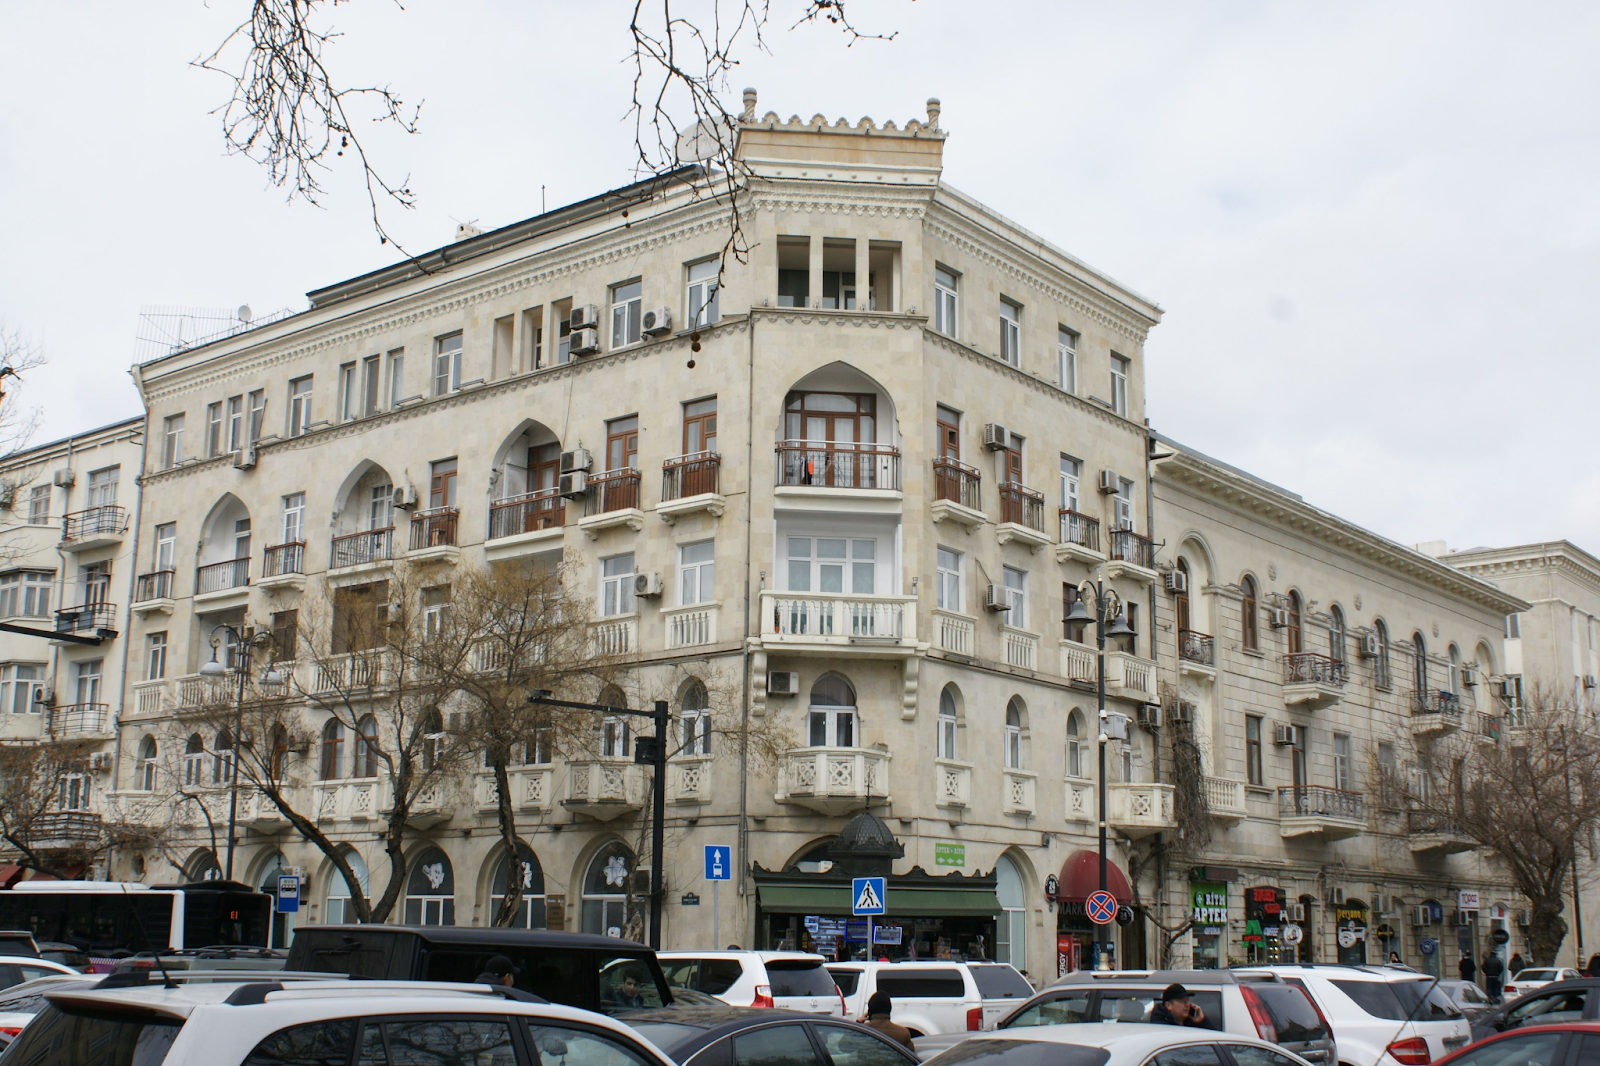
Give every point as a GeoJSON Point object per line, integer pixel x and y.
{"type": "Point", "coordinates": [855, 203]}
{"type": "Point", "coordinates": [819, 123]}
{"type": "Point", "coordinates": [1555, 557]}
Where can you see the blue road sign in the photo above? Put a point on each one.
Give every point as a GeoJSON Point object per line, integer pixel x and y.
{"type": "Point", "coordinates": [867, 896]}
{"type": "Point", "coordinates": [1101, 907]}
{"type": "Point", "coordinates": [288, 894]}
{"type": "Point", "coordinates": [719, 862]}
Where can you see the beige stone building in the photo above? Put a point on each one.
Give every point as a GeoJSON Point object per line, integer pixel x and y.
{"type": "Point", "coordinates": [66, 575]}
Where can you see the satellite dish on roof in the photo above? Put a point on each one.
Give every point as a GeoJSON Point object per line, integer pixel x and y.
{"type": "Point", "coordinates": [244, 312]}
{"type": "Point", "coordinates": [699, 144]}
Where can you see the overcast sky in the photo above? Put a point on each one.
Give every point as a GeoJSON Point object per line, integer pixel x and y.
{"type": "Point", "coordinates": [1374, 227]}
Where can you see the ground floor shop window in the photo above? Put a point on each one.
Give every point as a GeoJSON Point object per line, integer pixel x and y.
{"type": "Point", "coordinates": [431, 890]}
{"type": "Point", "coordinates": [1209, 901]}
{"type": "Point", "coordinates": [606, 907]}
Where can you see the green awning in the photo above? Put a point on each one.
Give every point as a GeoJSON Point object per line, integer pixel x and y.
{"type": "Point", "coordinates": [903, 902]}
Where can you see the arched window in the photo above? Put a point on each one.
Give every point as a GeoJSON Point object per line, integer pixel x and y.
{"type": "Point", "coordinates": [605, 890]}
{"type": "Point", "coordinates": [1485, 661]}
{"type": "Point", "coordinates": [1419, 663]}
{"type": "Point", "coordinates": [613, 727]}
{"type": "Point", "coordinates": [1249, 621]}
{"type": "Point", "coordinates": [222, 758]}
{"type": "Point", "coordinates": [1296, 634]}
{"type": "Point", "coordinates": [1455, 669]}
{"type": "Point", "coordinates": [1180, 601]}
{"type": "Point", "coordinates": [365, 750]}
{"type": "Point", "coordinates": [431, 728]}
{"type": "Point", "coordinates": [695, 714]}
{"type": "Point", "coordinates": [1336, 634]}
{"type": "Point", "coordinates": [1013, 735]}
{"type": "Point", "coordinates": [146, 772]}
{"type": "Point", "coordinates": [332, 749]}
{"type": "Point", "coordinates": [279, 767]}
{"type": "Point", "coordinates": [1011, 940]}
{"type": "Point", "coordinates": [338, 907]}
{"type": "Point", "coordinates": [831, 719]}
{"type": "Point", "coordinates": [431, 890]}
{"type": "Point", "coordinates": [194, 760]}
{"type": "Point", "coordinates": [531, 875]}
{"type": "Point", "coordinates": [947, 723]}
{"type": "Point", "coordinates": [204, 867]}
{"type": "Point", "coordinates": [1380, 669]}
{"type": "Point", "coordinates": [1075, 743]}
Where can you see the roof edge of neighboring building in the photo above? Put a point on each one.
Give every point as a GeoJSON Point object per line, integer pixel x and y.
{"type": "Point", "coordinates": [1195, 468]}
{"type": "Point", "coordinates": [1535, 549]}
{"type": "Point", "coordinates": [110, 428]}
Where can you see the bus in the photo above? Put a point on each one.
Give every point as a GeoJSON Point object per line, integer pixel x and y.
{"type": "Point", "coordinates": [110, 920]}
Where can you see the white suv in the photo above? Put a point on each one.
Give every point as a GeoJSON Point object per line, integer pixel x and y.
{"type": "Point", "coordinates": [273, 1023]}
{"type": "Point", "coordinates": [1381, 1015]}
{"type": "Point", "coordinates": [929, 997]}
{"type": "Point", "coordinates": [790, 980]}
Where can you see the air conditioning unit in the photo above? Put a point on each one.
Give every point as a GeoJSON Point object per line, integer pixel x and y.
{"type": "Point", "coordinates": [1285, 736]}
{"type": "Point", "coordinates": [994, 598]}
{"type": "Point", "coordinates": [783, 683]}
{"type": "Point", "coordinates": [1277, 618]}
{"type": "Point", "coordinates": [584, 316]}
{"type": "Point", "coordinates": [404, 498]}
{"type": "Point", "coordinates": [1379, 907]}
{"type": "Point", "coordinates": [576, 459]}
{"type": "Point", "coordinates": [1371, 647]}
{"type": "Point", "coordinates": [996, 437]}
{"type": "Point", "coordinates": [1149, 716]}
{"type": "Point", "coordinates": [647, 584]}
{"type": "Point", "coordinates": [1110, 483]}
{"type": "Point", "coordinates": [1177, 581]}
{"type": "Point", "coordinates": [1336, 897]}
{"type": "Point", "coordinates": [300, 744]}
{"type": "Point", "coordinates": [574, 484]}
{"type": "Point", "coordinates": [1422, 916]}
{"type": "Point", "coordinates": [657, 320]}
{"type": "Point", "coordinates": [100, 761]}
{"type": "Point", "coordinates": [1294, 912]}
{"type": "Point", "coordinates": [1524, 918]}
{"type": "Point", "coordinates": [1588, 681]}
{"type": "Point", "coordinates": [64, 477]}
{"type": "Point", "coordinates": [1459, 919]}
{"type": "Point", "coordinates": [245, 458]}
{"type": "Point", "coordinates": [1507, 689]}
{"type": "Point", "coordinates": [585, 341]}
{"type": "Point", "coordinates": [43, 696]}
{"type": "Point", "coordinates": [1183, 712]}
{"type": "Point", "coordinates": [1469, 676]}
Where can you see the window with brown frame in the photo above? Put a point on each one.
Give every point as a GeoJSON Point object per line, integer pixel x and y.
{"type": "Point", "coordinates": [831, 417]}
{"type": "Point", "coordinates": [442, 483]}
{"type": "Point", "coordinates": [700, 426]}
{"type": "Point", "coordinates": [1249, 622]}
{"type": "Point", "coordinates": [1296, 635]}
{"type": "Point", "coordinates": [622, 443]}
{"type": "Point", "coordinates": [949, 423]}
{"type": "Point", "coordinates": [1252, 749]}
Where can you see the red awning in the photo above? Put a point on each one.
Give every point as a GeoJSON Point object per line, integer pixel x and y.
{"type": "Point", "coordinates": [1080, 875]}
{"type": "Point", "coordinates": [9, 875]}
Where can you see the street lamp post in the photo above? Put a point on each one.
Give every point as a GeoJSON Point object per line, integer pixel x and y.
{"type": "Point", "coordinates": [1105, 600]}
{"type": "Point", "coordinates": [246, 638]}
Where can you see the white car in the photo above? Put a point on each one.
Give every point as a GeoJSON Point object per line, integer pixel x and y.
{"type": "Point", "coordinates": [1380, 1015]}
{"type": "Point", "coordinates": [1115, 1044]}
{"type": "Point", "coordinates": [929, 997]}
{"type": "Point", "coordinates": [229, 1023]}
{"type": "Point", "coordinates": [1526, 980]}
{"type": "Point", "coordinates": [789, 980]}
{"type": "Point", "coordinates": [16, 969]}
{"type": "Point", "coordinates": [20, 1003]}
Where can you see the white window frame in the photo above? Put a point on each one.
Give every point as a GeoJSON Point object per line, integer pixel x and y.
{"type": "Point", "coordinates": [946, 300]}
{"type": "Point", "coordinates": [627, 313]}
{"type": "Point", "coordinates": [837, 723]}
{"type": "Point", "coordinates": [166, 546]}
{"type": "Point", "coordinates": [102, 487]}
{"type": "Point", "coordinates": [1067, 360]}
{"type": "Point", "coordinates": [850, 564]}
{"type": "Point", "coordinates": [447, 363]}
{"type": "Point", "coordinates": [155, 663]}
{"type": "Point", "coordinates": [16, 686]}
{"type": "Point", "coordinates": [1075, 746]}
{"type": "Point", "coordinates": [1012, 747]}
{"type": "Point", "coordinates": [948, 565]}
{"type": "Point", "coordinates": [616, 586]}
{"type": "Point", "coordinates": [1120, 368]}
{"type": "Point", "coordinates": [1071, 482]}
{"type": "Point", "coordinates": [1342, 769]}
{"type": "Point", "coordinates": [146, 781]}
{"type": "Point", "coordinates": [257, 406]}
{"type": "Point", "coordinates": [947, 746]}
{"type": "Point", "coordinates": [380, 506]}
{"type": "Point", "coordinates": [235, 423]}
{"type": "Point", "coordinates": [695, 731]}
{"type": "Point", "coordinates": [701, 309]}
{"type": "Point", "coordinates": [87, 678]}
{"type": "Point", "coordinates": [1010, 332]}
{"type": "Point", "coordinates": [26, 593]}
{"type": "Point", "coordinates": [172, 440]}
{"type": "Point", "coordinates": [697, 577]}
{"type": "Point", "coordinates": [1122, 505]}
{"type": "Point", "coordinates": [294, 517]}
{"type": "Point", "coordinates": [213, 429]}
{"type": "Point", "coordinates": [1016, 589]}
{"type": "Point", "coordinates": [397, 376]}
{"type": "Point", "coordinates": [613, 737]}
{"type": "Point", "coordinates": [349, 398]}
{"type": "Point", "coordinates": [74, 792]}
{"type": "Point", "coordinates": [300, 391]}
{"type": "Point", "coordinates": [39, 505]}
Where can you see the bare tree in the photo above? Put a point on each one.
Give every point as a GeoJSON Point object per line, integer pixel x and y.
{"type": "Point", "coordinates": [48, 832]}
{"type": "Point", "coordinates": [1530, 799]}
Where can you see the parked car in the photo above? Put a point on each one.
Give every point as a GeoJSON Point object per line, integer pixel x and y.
{"type": "Point", "coordinates": [1547, 1004]}
{"type": "Point", "coordinates": [1001, 987]}
{"type": "Point", "coordinates": [223, 1023]}
{"type": "Point", "coordinates": [19, 1003]}
{"type": "Point", "coordinates": [66, 954]}
{"type": "Point", "coordinates": [18, 942]}
{"type": "Point", "coordinates": [789, 980]}
{"type": "Point", "coordinates": [1472, 1001]}
{"type": "Point", "coordinates": [220, 958]}
{"type": "Point", "coordinates": [1530, 978]}
{"type": "Point", "coordinates": [1255, 1005]}
{"type": "Point", "coordinates": [929, 997]}
{"type": "Point", "coordinates": [725, 1036]}
{"type": "Point", "coordinates": [19, 968]}
{"type": "Point", "coordinates": [1380, 1015]}
{"type": "Point", "coordinates": [1115, 1045]}
{"type": "Point", "coordinates": [594, 972]}
{"type": "Point", "coordinates": [1566, 1044]}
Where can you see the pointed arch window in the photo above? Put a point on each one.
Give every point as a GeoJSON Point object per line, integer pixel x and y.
{"type": "Point", "coordinates": [1381, 675]}
{"type": "Point", "coordinates": [695, 718]}
{"type": "Point", "coordinates": [431, 890]}
{"type": "Point", "coordinates": [1336, 634]}
{"type": "Point", "coordinates": [222, 760]}
{"type": "Point", "coordinates": [1013, 734]}
{"type": "Point", "coordinates": [1075, 743]}
{"type": "Point", "coordinates": [1419, 663]}
{"type": "Point", "coordinates": [365, 750]}
{"type": "Point", "coordinates": [147, 764]}
{"type": "Point", "coordinates": [1249, 617]}
{"type": "Point", "coordinates": [1295, 632]}
{"type": "Point", "coordinates": [194, 760]}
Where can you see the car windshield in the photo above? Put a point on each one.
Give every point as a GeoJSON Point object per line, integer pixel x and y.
{"type": "Point", "coordinates": [1021, 1053]}
{"type": "Point", "coordinates": [1000, 982]}
{"type": "Point", "coordinates": [55, 1037]}
{"type": "Point", "coordinates": [806, 978]}
{"type": "Point", "coordinates": [1419, 1000]}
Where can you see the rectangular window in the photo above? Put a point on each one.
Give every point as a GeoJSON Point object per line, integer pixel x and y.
{"type": "Point", "coordinates": [948, 422]}
{"type": "Point", "coordinates": [172, 440]}
{"type": "Point", "coordinates": [833, 564]}
{"type": "Point", "coordinates": [1389, 784]}
{"type": "Point", "coordinates": [945, 300]}
{"type": "Point", "coordinates": [25, 594]}
{"type": "Point", "coordinates": [442, 483]}
{"type": "Point", "coordinates": [613, 737]}
{"type": "Point", "coordinates": [371, 371]}
{"type": "Point", "coordinates": [446, 364]}
{"type": "Point", "coordinates": [616, 585]}
{"type": "Point", "coordinates": [299, 405]}
{"type": "Point", "coordinates": [17, 681]}
{"type": "Point", "coordinates": [86, 680]}
{"type": "Point", "coordinates": [155, 656]}
{"type": "Point", "coordinates": [349, 398]}
{"type": "Point", "coordinates": [703, 289]}
{"type": "Point", "coordinates": [397, 376]}
{"type": "Point", "coordinates": [380, 506]}
{"type": "Point", "coordinates": [696, 731]}
{"type": "Point", "coordinates": [166, 546]}
{"type": "Point", "coordinates": [435, 610]}
{"type": "Point", "coordinates": [213, 429]}
{"type": "Point", "coordinates": [696, 573]}
{"type": "Point", "coordinates": [294, 515]}
{"type": "Point", "coordinates": [1067, 360]}
{"type": "Point", "coordinates": [103, 487]}
{"type": "Point", "coordinates": [1016, 613]}
{"type": "Point", "coordinates": [1010, 332]}
{"type": "Point", "coordinates": [1122, 505]}
{"type": "Point", "coordinates": [700, 428]}
{"type": "Point", "coordinates": [1513, 627]}
{"type": "Point", "coordinates": [1119, 385]}
{"type": "Point", "coordinates": [627, 311]}
{"type": "Point", "coordinates": [235, 423]}
{"type": "Point", "coordinates": [1341, 761]}
{"type": "Point", "coordinates": [1071, 473]}
{"type": "Point", "coordinates": [1131, 641]}
{"type": "Point", "coordinates": [947, 580]}
{"type": "Point", "coordinates": [258, 413]}
{"type": "Point", "coordinates": [39, 505]}
{"type": "Point", "coordinates": [1252, 749]}
{"type": "Point", "coordinates": [285, 635]}
{"type": "Point", "coordinates": [622, 443]}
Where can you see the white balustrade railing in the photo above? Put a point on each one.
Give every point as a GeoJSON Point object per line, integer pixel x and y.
{"type": "Point", "coordinates": [617, 637]}
{"type": "Point", "coordinates": [689, 627]}
{"type": "Point", "coordinates": [1078, 662]}
{"type": "Point", "coordinates": [149, 697]}
{"type": "Point", "coordinates": [607, 781]}
{"type": "Point", "coordinates": [1134, 807]}
{"type": "Point", "coordinates": [1225, 797]}
{"type": "Point", "coordinates": [838, 617]}
{"type": "Point", "coordinates": [956, 632]}
{"type": "Point", "coordinates": [1132, 674]}
{"type": "Point", "coordinates": [844, 773]}
{"type": "Point", "coordinates": [532, 788]}
{"type": "Point", "coordinates": [952, 783]}
{"type": "Point", "coordinates": [1022, 649]}
{"type": "Point", "coordinates": [689, 779]}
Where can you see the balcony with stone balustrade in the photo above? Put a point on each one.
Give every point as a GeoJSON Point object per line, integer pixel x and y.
{"type": "Point", "coordinates": [834, 780]}
{"type": "Point", "coordinates": [605, 787]}
{"type": "Point", "coordinates": [839, 624]}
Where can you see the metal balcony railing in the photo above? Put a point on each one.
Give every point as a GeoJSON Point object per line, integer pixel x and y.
{"type": "Point", "coordinates": [109, 520]}
{"type": "Point", "coordinates": [64, 828]}
{"type": "Point", "coordinates": [1196, 647]}
{"type": "Point", "coordinates": [957, 482]}
{"type": "Point", "coordinates": [281, 559]}
{"type": "Point", "coordinates": [1021, 505]}
{"type": "Point", "coordinates": [1418, 822]}
{"type": "Point", "coordinates": [614, 490]}
{"type": "Point", "coordinates": [838, 465]}
{"type": "Point", "coordinates": [1313, 801]}
{"type": "Point", "coordinates": [1078, 528]}
{"type": "Point", "coordinates": [434, 528]}
{"type": "Point", "coordinates": [156, 586]}
{"type": "Point", "coordinates": [87, 618]}
{"type": "Point", "coordinates": [1434, 701]}
{"type": "Point", "coordinates": [368, 546]}
{"type": "Point", "coordinates": [80, 719]}
{"type": "Point", "coordinates": [689, 475]}
{"type": "Point", "coordinates": [1312, 668]}
{"type": "Point", "coordinates": [235, 573]}
{"type": "Point", "coordinates": [527, 513]}
{"type": "Point", "coordinates": [1129, 547]}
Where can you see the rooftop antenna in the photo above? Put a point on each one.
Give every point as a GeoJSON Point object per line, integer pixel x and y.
{"type": "Point", "coordinates": [244, 313]}
{"type": "Point", "coordinates": [541, 200]}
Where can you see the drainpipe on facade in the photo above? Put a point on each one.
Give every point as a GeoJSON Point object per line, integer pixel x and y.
{"type": "Point", "coordinates": [1150, 531]}
{"type": "Point", "coordinates": [744, 738]}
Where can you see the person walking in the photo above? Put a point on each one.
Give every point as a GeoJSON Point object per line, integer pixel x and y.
{"type": "Point", "coordinates": [879, 1007]}
{"type": "Point", "coordinates": [1516, 964]}
{"type": "Point", "coordinates": [1493, 976]}
{"type": "Point", "coordinates": [1468, 968]}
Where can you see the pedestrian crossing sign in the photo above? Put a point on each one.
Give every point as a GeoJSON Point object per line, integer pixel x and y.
{"type": "Point", "coordinates": [867, 896]}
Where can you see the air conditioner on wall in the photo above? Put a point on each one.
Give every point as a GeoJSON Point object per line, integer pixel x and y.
{"type": "Point", "coordinates": [1110, 482]}
{"type": "Point", "coordinates": [1370, 646]}
{"type": "Point", "coordinates": [576, 459]}
{"type": "Point", "coordinates": [574, 484]}
{"type": "Point", "coordinates": [1469, 676]}
{"type": "Point", "coordinates": [1149, 716]}
{"type": "Point", "coordinates": [995, 437]}
{"type": "Point", "coordinates": [647, 584]}
{"type": "Point", "coordinates": [1177, 581]}
{"type": "Point", "coordinates": [585, 341]}
{"type": "Point", "coordinates": [1285, 736]}
{"type": "Point", "coordinates": [783, 683]}
{"type": "Point", "coordinates": [657, 320]}
{"type": "Point", "coordinates": [1277, 618]}
{"type": "Point", "coordinates": [64, 478]}
{"type": "Point", "coordinates": [994, 598]}
{"type": "Point", "coordinates": [1183, 712]}
{"type": "Point", "coordinates": [584, 316]}
{"type": "Point", "coordinates": [1294, 912]}
{"type": "Point", "coordinates": [1422, 916]}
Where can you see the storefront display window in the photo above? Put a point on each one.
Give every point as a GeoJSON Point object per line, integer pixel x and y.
{"type": "Point", "coordinates": [1209, 901]}
{"type": "Point", "coordinates": [1263, 926]}
{"type": "Point", "coordinates": [1350, 931]}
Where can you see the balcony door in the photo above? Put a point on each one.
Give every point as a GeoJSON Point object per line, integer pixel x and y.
{"type": "Point", "coordinates": [96, 578]}
{"type": "Point", "coordinates": [1180, 600]}
{"type": "Point", "coordinates": [831, 719]}
{"type": "Point", "coordinates": [833, 565]}
{"type": "Point", "coordinates": [949, 434]}
{"type": "Point", "coordinates": [442, 484]}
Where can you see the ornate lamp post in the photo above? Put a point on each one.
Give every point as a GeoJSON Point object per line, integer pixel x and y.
{"type": "Point", "coordinates": [246, 639]}
{"type": "Point", "coordinates": [1107, 605]}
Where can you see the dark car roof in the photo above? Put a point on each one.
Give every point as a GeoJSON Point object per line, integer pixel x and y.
{"type": "Point", "coordinates": [712, 1023]}
{"type": "Point", "coordinates": [455, 934]}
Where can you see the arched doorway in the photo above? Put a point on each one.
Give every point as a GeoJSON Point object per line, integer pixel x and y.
{"type": "Point", "coordinates": [203, 866]}
{"type": "Point", "coordinates": [336, 908]}
{"type": "Point", "coordinates": [530, 915]}
{"type": "Point", "coordinates": [431, 890]}
{"type": "Point", "coordinates": [1011, 936]}
{"type": "Point", "coordinates": [606, 908]}
{"type": "Point", "coordinates": [267, 881]}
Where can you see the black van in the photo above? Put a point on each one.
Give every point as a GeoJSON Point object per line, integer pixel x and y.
{"type": "Point", "coordinates": [594, 972]}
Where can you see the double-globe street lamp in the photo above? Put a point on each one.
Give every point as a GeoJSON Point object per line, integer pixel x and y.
{"type": "Point", "coordinates": [1107, 605]}
{"type": "Point", "coordinates": [244, 640]}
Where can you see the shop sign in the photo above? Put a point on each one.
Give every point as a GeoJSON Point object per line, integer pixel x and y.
{"type": "Point", "coordinates": [1500, 936]}
{"type": "Point", "coordinates": [1292, 935]}
{"type": "Point", "coordinates": [1350, 916]}
{"type": "Point", "coordinates": [947, 854]}
{"type": "Point", "coordinates": [886, 934]}
{"type": "Point", "coordinates": [555, 911]}
{"type": "Point", "coordinates": [1466, 901]}
{"type": "Point", "coordinates": [1427, 945]}
{"type": "Point", "coordinates": [690, 899]}
{"type": "Point", "coordinates": [1435, 912]}
{"type": "Point", "coordinates": [1210, 902]}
